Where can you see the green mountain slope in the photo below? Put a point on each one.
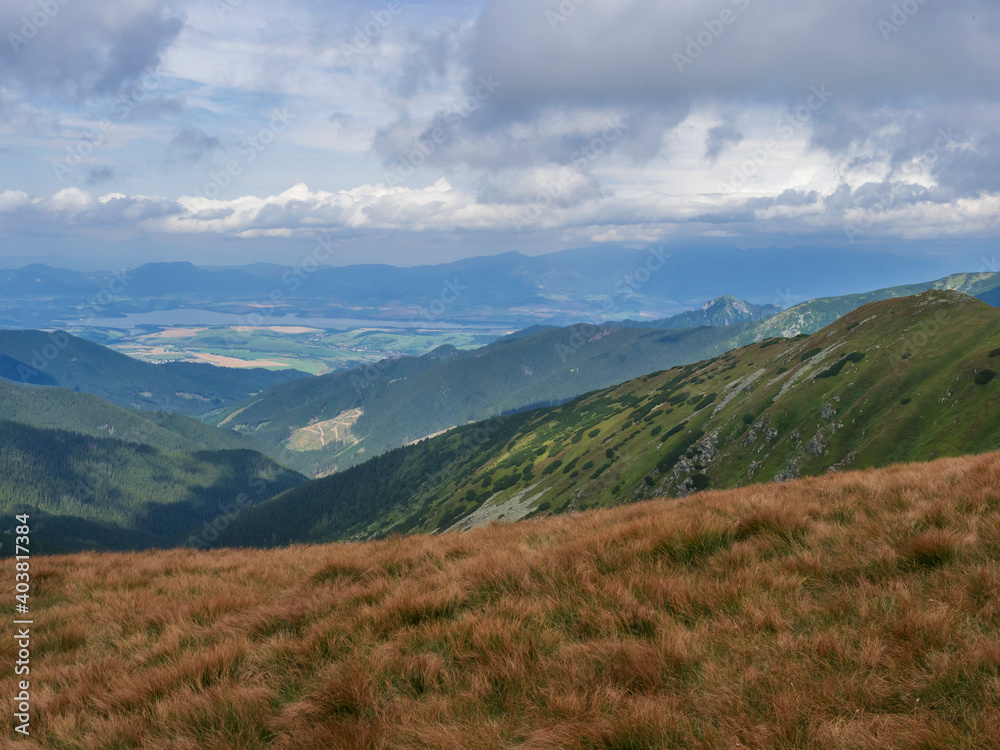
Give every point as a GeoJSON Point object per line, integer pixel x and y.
{"type": "Point", "coordinates": [100, 493]}
{"type": "Point", "coordinates": [897, 380]}
{"type": "Point", "coordinates": [811, 316]}
{"type": "Point", "coordinates": [60, 359]}
{"type": "Point", "coordinates": [331, 423]}
{"type": "Point", "coordinates": [335, 421]}
{"type": "Point", "coordinates": [60, 409]}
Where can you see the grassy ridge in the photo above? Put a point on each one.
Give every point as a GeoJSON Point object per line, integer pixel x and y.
{"type": "Point", "coordinates": [811, 316]}
{"type": "Point", "coordinates": [858, 610]}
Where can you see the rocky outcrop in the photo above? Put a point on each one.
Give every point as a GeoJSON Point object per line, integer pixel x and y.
{"type": "Point", "coordinates": [792, 471]}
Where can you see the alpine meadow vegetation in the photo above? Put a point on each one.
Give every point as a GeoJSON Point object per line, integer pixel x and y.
{"type": "Point", "coordinates": [854, 610]}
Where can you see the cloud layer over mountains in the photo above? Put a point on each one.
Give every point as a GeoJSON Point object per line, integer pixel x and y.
{"type": "Point", "coordinates": [510, 120]}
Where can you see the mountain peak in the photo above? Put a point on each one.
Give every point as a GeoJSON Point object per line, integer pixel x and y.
{"type": "Point", "coordinates": [721, 311]}
{"type": "Point", "coordinates": [727, 301]}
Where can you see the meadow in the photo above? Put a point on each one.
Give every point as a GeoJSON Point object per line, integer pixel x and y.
{"type": "Point", "coordinates": [854, 610]}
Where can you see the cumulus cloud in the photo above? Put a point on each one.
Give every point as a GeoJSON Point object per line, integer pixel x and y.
{"type": "Point", "coordinates": [792, 198]}
{"type": "Point", "coordinates": [891, 83]}
{"type": "Point", "coordinates": [875, 210]}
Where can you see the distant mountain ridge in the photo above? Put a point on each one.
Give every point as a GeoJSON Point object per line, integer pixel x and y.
{"type": "Point", "coordinates": [159, 279]}
{"type": "Point", "coordinates": [726, 310]}
{"type": "Point", "coordinates": [558, 288]}
{"type": "Point", "coordinates": [810, 316]}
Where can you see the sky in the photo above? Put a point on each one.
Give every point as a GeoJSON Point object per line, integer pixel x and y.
{"type": "Point", "coordinates": [236, 131]}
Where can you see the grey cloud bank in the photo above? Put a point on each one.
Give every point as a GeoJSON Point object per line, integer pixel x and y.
{"type": "Point", "coordinates": [731, 118]}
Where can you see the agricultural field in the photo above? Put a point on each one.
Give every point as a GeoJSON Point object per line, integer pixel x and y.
{"type": "Point", "coordinates": [312, 350]}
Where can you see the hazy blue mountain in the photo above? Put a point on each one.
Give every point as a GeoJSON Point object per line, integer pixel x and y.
{"type": "Point", "coordinates": [167, 279]}
{"type": "Point", "coordinates": [587, 284]}
{"type": "Point", "coordinates": [39, 280]}
{"type": "Point", "coordinates": [991, 297]}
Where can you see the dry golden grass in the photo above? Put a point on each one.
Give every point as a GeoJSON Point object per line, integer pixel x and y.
{"type": "Point", "coordinates": [851, 611]}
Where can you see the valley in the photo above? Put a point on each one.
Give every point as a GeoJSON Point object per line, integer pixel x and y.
{"type": "Point", "coordinates": [99, 476]}
{"type": "Point", "coordinates": [309, 349]}
{"type": "Point", "coordinates": [407, 399]}
{"type": "Point", "coordinates": [541, 422]}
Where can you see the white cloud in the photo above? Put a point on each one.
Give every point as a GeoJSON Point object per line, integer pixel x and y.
{"type": "Point", "coordinates": [70, 201]}
{"type": "Point", "coordinates": [11, 200]}
{"type": "Point", "coordinates": [872, 211]}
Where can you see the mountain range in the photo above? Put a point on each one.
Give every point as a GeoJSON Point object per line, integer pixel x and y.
{"type": "Point", "coordinates": [545, 420]}
{"type": "Point", "coordinates": [899, 380]}
{"type": "Point", "coordinates": [558, 288]}
{"type": "Point", "coordinates": [335, 421]}
{"type": "Point", "coordinates": [726, 310]}
{"type": "Point", "coordinates": [332, 422]}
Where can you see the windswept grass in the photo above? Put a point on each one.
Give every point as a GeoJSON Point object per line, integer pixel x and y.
{"type": "Point", "coordinates": [852, 611]}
